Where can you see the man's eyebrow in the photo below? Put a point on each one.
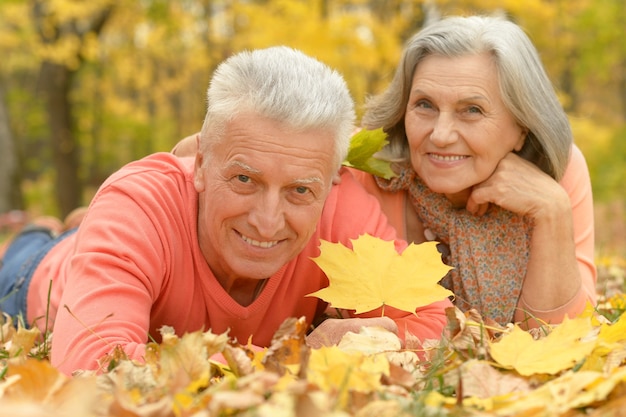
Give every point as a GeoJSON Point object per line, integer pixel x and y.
{"type": "Point", "coordinates": [244, 166]}
{"type": "Point", "coordinates": [250, 170]}
{"type": "Point", "coordinates": [312, 180]}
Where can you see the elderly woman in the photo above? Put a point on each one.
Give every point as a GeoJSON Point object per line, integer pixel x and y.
{"type": "Point", "coordinates": [487, 166]}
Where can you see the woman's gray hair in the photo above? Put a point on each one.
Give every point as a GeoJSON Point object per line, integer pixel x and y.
{"type": "Point", "coordinates": [281, 84]}
{"type": "Point", "coordinates": [524, 85]}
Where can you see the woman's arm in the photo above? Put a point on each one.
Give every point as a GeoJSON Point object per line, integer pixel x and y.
{"type": "Point", "coordinates": [560, 277]}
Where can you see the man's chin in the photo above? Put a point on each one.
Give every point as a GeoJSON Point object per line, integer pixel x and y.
{"type": "Point", "coordinates": [260, 270]}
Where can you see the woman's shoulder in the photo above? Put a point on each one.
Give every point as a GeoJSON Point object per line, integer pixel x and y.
{"type": "Point", "coordinates": [576, 174]}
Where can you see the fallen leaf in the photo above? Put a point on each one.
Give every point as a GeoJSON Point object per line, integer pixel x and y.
{"type": "Point", "coordinates": [370, 340]}
{"type": "Point", "coordinates": [37, 382]}
{"type": "Point", "coordinates": [552, 398]}
{"type": "Point", "coordinates": [373, 274]}
{"type": "Point", "coordinates": [288, 349]}
{"type": "Point", "coordinates": [23, 341]}
{"type": "Point", "coordinates": [480, 379]}
{"type": "Point", "coordinates": [558, 351]}
{"type": "Point", "coordinates": [334, 370]}
{"type": "Point", "coordinates": [612, 333]}
{"type": "Point", "coordinates": [182, 360]}
{"type": "Point", "coordinates": [600, 389]}
{"type": "Point", "coordinates": [382, 409]}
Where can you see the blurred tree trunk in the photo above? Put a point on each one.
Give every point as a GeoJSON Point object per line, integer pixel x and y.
{"type": "Point", "coordinates": [622, 88]}
{"type": "Point", "coordinates": [567, 81]}
{"type": "Point", "coordinates": [10, 196]}
{"type": "Point", "coordinates": [56, 84]}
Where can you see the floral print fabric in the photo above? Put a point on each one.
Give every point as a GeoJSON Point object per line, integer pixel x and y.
{"type": "Point", "coordinates": [489, 253]}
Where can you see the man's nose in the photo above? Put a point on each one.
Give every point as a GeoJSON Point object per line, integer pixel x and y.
{"type": "Point", "coordinates": [268, 216]}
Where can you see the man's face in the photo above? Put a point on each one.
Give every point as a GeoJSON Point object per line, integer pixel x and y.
{"type": "Point", "coordinates": [261, 195]}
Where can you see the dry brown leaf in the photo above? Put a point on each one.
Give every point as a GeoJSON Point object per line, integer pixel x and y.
{"type": "Point", "coordinates": [22, 341]}
{"type": "Point", "coordinates": [382, 408]}
{"type": "Point", "coordinates": [613, 408]}
{"type": "Point", "coordinates": [469, 334]}
{"type": "Point", "coordinates": [7, 329]}
{"type": "Point", "coordinates": [239, 359]}
{"type": "Point", "coordinates": [288, 352]}
{"type": "Point", "coordinates": [37, 382]}
{"type": "Point", "coordinates": [480, 379]}
{"type": "Point", "coordinates": [370, 340]}
{"type": "Point", "coordinates": [333, 370]}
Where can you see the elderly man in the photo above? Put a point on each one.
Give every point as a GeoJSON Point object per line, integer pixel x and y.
{"type": "Point", "coordinates": [222, 241]}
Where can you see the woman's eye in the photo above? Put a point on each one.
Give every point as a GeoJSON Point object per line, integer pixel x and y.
{"type": "Point", "coordinates": [243, 178]}
{"type": "Point", "coordinates": [423, 104]}
{"type": "Point", "coordinates": [474, 109]}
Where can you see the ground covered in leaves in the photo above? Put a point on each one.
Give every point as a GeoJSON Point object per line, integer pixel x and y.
{"type": "Point", "coordinates": [479, 369]}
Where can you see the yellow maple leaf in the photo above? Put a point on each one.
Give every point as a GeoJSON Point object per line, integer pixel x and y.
{"type": "Point", "coordinates": [334, 370]}
{"type": "Point", "coordinates": [373, 274]}
{"type": "Point", "coordinates": [559, 350]}
{"type": "Point", "coordinates": [613, 333]}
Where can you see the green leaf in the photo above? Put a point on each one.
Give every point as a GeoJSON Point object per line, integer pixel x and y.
{"type": "Point", "coordinates": [363, 145]}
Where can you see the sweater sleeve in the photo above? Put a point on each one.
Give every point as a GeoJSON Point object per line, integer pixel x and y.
{"type": "Point", "coordinates": [117, 268]}
{"type": "Point", "coordinates": [355, 212]}
{"type": "Point", "coordinates": [577, 183]}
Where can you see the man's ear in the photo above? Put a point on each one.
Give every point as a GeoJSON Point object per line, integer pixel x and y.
{"type": "Point", "coordinates": [198, 172]}
{"type": "Point", "coordinates": [337, 178]}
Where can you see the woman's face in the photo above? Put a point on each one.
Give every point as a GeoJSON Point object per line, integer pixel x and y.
{"type": "Point", "coordinates": [457, 126]}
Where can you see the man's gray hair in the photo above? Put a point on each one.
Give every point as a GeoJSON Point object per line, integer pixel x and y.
{"type": "Point", "coordinates": [281, 84]}
{"type": "Point", "coordinates": [524, 86]}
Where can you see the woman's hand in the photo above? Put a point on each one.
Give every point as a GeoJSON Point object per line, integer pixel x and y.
{"type": "Point", "coordinates": [520, 187]}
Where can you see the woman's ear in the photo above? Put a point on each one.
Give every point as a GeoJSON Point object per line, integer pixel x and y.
{"type": "Point", "coordinates": [522, 139]}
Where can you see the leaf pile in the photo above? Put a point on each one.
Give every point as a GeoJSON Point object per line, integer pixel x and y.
{"type": "Point", "coordinates": [479, 368]}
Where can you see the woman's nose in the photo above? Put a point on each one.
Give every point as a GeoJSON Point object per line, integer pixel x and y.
{"type": "Point", "coordinates": [444, 131]}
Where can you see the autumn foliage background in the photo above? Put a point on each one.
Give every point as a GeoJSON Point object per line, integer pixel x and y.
{"type": "Point", "coordinates": [86, 86]}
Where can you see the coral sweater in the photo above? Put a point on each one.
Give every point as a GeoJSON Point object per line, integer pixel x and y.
{"type": "Point", "coordinates": [135, 265]}
{"type": "Point", "coordinates": [577, 184]}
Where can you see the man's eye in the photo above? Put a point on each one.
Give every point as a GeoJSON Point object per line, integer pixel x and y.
{"type": "Point", "coordinates": [243, 178]}
{"type": "Point", "coordinates": [302, 190]}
